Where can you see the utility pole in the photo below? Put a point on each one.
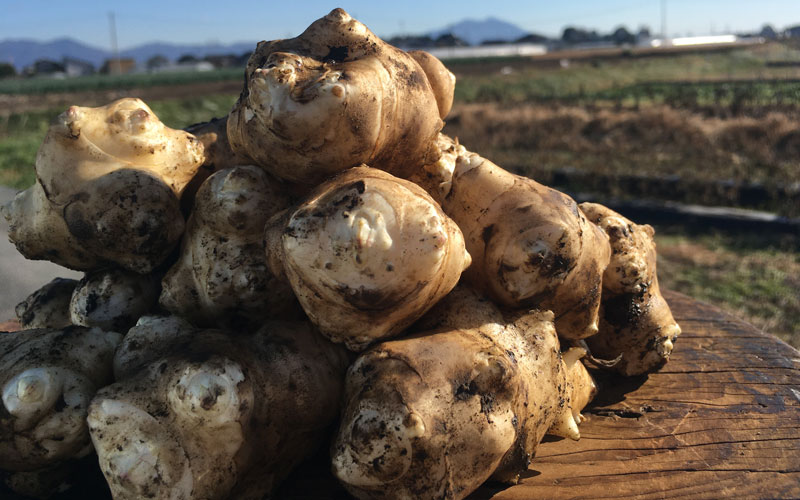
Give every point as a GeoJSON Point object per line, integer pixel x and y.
{"type": "Point", "coordinates": [663, 19]}
{"type": "Point", "coordinates": [117, 66]}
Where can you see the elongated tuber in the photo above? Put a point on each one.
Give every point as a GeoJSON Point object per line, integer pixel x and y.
{"type": "Point", "coordinates": [367, 254]}
{"type": "Point", "coordinates": [531, 246]}
{"type": "Point", "coordinates": [221, 278]}
{"type": "Point", "coordinates": [435, 414]}
{"type": "Point", "coordinates": [48, 378]}
{"type": "Point", "coordinates": [636, 322]}
{"type": "Point", "coordinates": [215, 415]}
{"type": "Point", "coordinates": [333, 98]}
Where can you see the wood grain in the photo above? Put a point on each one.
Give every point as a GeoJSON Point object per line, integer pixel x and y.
{"type": "Point", "coordinates": [721, 419]}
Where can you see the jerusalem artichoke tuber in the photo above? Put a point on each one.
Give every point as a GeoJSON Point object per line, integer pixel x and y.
{"type": "Point", "coordinates": [531, 246]}
{"type": "Point", "coordinates": [367, 254]}
{"type": "Point", "coordinates": [113, 299]}
{"type": "Point", "coordinates": [333, 98]}
{"type": "Point", "coordinates": [47, 307]}
{"type": "Point", "coordinates": [435, 414]}
{"type": "Point", "coordinates": [636, 321]}
{"type": "Point", "coordinates": [47, 379]}
{"type": "Point", "coordinates": [108, 183]}
{"type": "Point", "coordinates": [215, 415]}
{"type": "Point", "coordinates": [221, 278]}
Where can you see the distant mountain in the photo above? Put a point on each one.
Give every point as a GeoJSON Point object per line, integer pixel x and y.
{"type": "Point", "coordinates": [474, 32]}
{"type": "Point", "coordinates": [23, 53]}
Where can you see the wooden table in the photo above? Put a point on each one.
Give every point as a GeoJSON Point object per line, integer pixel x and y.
{"type": "Point", "coordinates": [720, 420]}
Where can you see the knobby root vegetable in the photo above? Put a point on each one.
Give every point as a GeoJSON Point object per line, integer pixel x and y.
{"type": "Point", "coordinates": [38, 230]}
{"type": "Point", "coordinates": [531, 246]}
{"type": "Point", "coordinates": [333, 98]}
{"type": "Point", "coordinates": [113, 299]}
{"type": "Point", "coordinates": [48, 378]}
{"type": "Point", "coordinates": [84, 144]}
{"type": "Point", "coordinates": [442, 81]}
{"type": "Point", "coordinates": [217, 153]}
{"type": "Point", "coordinates": [47, 307]}
{"type": "Point", "coordinates": [435, 414]}
{"type": "Point", "coordinates": [636, 320]}
{"type": "Point", "coordinates": [212, 415]}
{"type": "Point", "coordinates": [108, 183]}
{"type": "Point", "coordinates": [221, 278]}
{"type": "Point", "coordinates": [367, 254]}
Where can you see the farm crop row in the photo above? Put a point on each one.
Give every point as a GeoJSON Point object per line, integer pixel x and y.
{"type": "Point", "coordinates": [98, 82]}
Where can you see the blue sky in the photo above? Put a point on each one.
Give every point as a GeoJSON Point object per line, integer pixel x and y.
{"type": "Point", "coordinates": [226, 21]}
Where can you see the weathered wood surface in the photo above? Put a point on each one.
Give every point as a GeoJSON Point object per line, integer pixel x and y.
{"type": "Point", "coordinates": [720, 420]}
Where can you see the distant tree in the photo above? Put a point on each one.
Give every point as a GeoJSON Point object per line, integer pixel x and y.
{"type": "Point", "coordinates": [450, 40]}
{"type": "Point", "coordinates": [187, 59]}
{"type": "Point", "coordinates": [222, 60]}
{"type": "Point", "coordinates": [7, 70]}
{"type": "Point", "coordinates": [572, 36]}
{"type": "Point", "coordinates": [622, 36]}
{"type": "Point", "coordinates": [242, 59]}
{"type": "Point", "coordinates": [768, 32]}
{"type": "Point", "coordinates": [44, 67]}
{"type": "Point", "coordinates": [644, 33]}
{"type": "Point", "coordinates": [532, 38]}
{"type": "Point", "coordinates": [495, 42]}
{"type": "Point", "coordinates": [157, 61]}
{"type": "Point", "coordinates": [412, 41]}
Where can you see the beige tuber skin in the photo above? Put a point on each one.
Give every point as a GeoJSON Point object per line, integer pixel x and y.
{"type": "Point", "coordinates": [636, 322]}
{"type": "Point", "coordinates": [221, 278]}
{"type": "Point", "coordinates": [113, 299]}
{"type": "Point", "coordinates": [38, 230]}
{"type": "Point", "coordinates": [367, 254]}
{"type": "Point", "coordinates": [108, 184]}
{"type": "Point", "coordinates": [47, 379]}
{"type": "Point", "coordinates": [205, 414]}
{"type": "Point", "coordinates": [442, 81]}
{"type": "Point", "coordinates": [531, 246]}
{"type": "Point", "coordinates": [47, 307]}
{"type": "Point", "coordinates": [333, 98]}
{"type": "Point", "coordinates": [436, 414]}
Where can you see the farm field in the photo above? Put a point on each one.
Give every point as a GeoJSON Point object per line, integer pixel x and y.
{"type": "Point", "coordinates": [730, 117]}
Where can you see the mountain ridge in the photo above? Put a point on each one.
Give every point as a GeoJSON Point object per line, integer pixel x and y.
{"type": "Point", "coordinates": [22, 52]}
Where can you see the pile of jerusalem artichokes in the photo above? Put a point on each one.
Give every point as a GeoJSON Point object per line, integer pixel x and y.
{"type": "Point", "coordinates": [320, 268]}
